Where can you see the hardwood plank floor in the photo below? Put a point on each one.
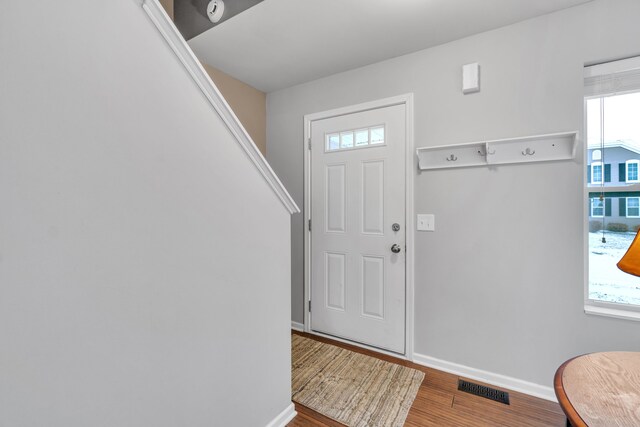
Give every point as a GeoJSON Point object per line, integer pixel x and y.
{"type": "Point", "coordinates": [439, 403]}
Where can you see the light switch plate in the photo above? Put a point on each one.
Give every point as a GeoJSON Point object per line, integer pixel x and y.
{"type": "Point", "coordinates": [426, 222]}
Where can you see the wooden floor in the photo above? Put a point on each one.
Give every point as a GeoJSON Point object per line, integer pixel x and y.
{"type": "Point", "coordinates": [439, 403]}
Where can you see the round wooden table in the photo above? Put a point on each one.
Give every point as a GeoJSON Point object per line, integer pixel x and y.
{"type": "Point", "coordinates": [600, 389]}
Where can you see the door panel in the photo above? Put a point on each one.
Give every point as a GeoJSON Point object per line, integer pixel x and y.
{"type": "Point", "coordinates": [334, 276]}
{"type": "Point", "coordinates": [373, 197]}
{"type": "Point", "coordinates": [336, 204]}
{"type": "Point", "coordinates": [373, 286]}
{"type": "Point", "coordinates": [357, 194]}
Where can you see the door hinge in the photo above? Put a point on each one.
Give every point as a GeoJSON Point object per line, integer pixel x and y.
{"type": "Point", "coordinates": [309, 306]}
{"type": "Point", "coordinates": [309, 224]}
{"type": "Point", "coordinates": [309, 143]}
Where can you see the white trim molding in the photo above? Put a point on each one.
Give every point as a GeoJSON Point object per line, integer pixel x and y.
{"type": "Point", "coordinates": [192, 65]}
{"type": "Point", "coordinates": [492, 378]}
{"type": "Point", "coordinates": [284, 417]}
{"type": "Point", "coordinates": [600, 308]}
{"type": "Point", "coordinates": [297, 326]}
{"type": "Point", "coordinates": [410, 167]}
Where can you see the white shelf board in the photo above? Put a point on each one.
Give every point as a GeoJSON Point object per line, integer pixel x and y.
{"type": "Point", "coordinates": [537, 148]}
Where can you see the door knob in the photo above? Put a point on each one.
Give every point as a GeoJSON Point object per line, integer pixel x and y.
{"type": "Point", "coordinates": [395, 248]}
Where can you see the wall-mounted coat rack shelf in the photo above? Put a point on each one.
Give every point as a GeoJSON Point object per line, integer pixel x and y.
{"type": "Point", "coordinates": [539, 148]}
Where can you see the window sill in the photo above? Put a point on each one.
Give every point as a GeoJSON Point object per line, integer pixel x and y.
{"type": "Point", "coordinates": [612, 312]}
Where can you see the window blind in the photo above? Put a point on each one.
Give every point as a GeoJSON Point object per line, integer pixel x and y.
{"type": "Point", "coordinates": [612, 77]}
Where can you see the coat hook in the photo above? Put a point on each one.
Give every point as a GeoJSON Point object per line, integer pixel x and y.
{"type": "Point", "coordinates": [528, 152]}
{"type": "Point", "coordinates": [487, 152]}
{"type": "Point", "coordinates": [452, 158]}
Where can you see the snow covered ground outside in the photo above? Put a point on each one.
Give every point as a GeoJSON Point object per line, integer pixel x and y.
{"type": "Point", "coordinates": [606, 281]}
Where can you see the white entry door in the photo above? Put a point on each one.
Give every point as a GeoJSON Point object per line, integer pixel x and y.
{"type": "Point", "coordinates": [358, 227]}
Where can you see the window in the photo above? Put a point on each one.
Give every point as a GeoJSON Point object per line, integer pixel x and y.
{"type": "Point", "coordinates": [596, 173]}
{"type": "Point", "coordinates": [346, 140]}
{"type": "Point", "coordinates": [360, 138]}
{"type": "Point", "coordinates": [597, 207]}
{"type": "Point", "coordinates": [333, 142]}
{"type": "Point", "coordinates": [377, 135]}
{"type": "Point", "coordinates": [612, 105]}
{"type": "Point", "coordinates": [632, 170]}
{"type": "Point", "coordinates": [633, 207]}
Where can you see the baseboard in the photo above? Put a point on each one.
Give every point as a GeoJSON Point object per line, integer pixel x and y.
{"type": "Point", "coordinates": [497, 380]}
{"type": "Point", "coordinates": [297, 326]}
{"type": "Point", "coordinates": [284, 417]}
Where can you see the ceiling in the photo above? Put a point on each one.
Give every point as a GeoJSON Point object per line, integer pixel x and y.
{"type": "Point", "coordinates": [190, 16]}
{"type": "Point", "coordinates": [281, 43]}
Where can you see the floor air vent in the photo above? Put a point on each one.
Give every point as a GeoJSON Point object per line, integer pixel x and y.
{"type": "Point", "coordinates": [483, 391]}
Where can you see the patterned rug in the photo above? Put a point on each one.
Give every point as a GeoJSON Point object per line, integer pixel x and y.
{"type": "Point", "coordinates": [351, 388]}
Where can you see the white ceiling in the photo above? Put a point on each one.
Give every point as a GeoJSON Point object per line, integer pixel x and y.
{"type": "Point", "coordinates": [280, 43]}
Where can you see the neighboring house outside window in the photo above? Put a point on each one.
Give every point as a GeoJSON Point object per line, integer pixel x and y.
{"type": "Point", "coordinates": [620, 160]}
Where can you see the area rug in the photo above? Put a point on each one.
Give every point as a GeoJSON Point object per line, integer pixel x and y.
{"type": "Point", "coordinates": [351, 388]}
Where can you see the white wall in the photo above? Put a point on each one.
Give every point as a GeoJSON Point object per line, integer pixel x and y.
{"type": "Point", "coordinates": [499, 285]}
{"type": "Point", "coordinates": [139, 285]}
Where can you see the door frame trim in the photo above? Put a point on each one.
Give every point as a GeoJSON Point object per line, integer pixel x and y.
{"type": "Point", "coordinates": [410, 166]}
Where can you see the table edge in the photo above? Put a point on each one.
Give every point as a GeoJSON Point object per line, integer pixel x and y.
{"type": "Point", "coordinates": [566, 405]}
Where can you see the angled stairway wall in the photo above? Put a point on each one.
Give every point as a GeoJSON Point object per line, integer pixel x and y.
{"type": "Point", "coordinates": [248, 103]}
{"type": "Point", "coordinates": [144, 258]}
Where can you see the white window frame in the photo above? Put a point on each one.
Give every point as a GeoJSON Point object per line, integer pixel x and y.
{"type": "Point", "coordinates": [627, 207]}
{"type": "Point", "coordinates": [604, 207]}
{"type": "Point", "coordinates": [632, 162]}
{"type": "Point", "coordinates": [593, 165]}
{"type": "Point", "coordinates": [608, 79]}
{"type": "Point", "coordinates": [598, 157]}
{"type": "Point", "coordinates": [355, 147]}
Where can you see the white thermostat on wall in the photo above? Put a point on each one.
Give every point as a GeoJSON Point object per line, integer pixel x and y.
{"type": "Point", "coordinates": [471, 78]}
